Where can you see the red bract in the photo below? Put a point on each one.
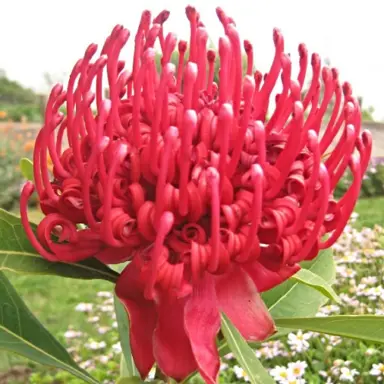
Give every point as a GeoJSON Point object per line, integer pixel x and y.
{"type": "Point", "coordinates": [210, 199]}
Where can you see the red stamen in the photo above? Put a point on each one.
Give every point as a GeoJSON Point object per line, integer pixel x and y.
{"type": "Point", "coordinates": [316, 66]}
{"type": "Point", "coordinates": [182, 47]}
{"type": "Point", "coordinates": [211, 57]}
{"type": "Point", "coordinates": [238, 65]}
{"type": "Point", "coordinates": [165, 226]}
{"type": "Point", "coordinates": [201, 43]}
{"type": "Point", "coordinates": [256, 212]}
{"type": "Point", "coordinates": [225, 56]}
{"type": "Point", "coordinates": [189, 126]}
{"type": "Point", "coordinates": [192, 17]}
{"type": "Point", "coordinates": [190, 76]}
{"type": "Point", "coordinates": [303, 52]}
{"type": "Point", "coordinates": [170, 139]}
{"type": "Point", "coordinates": [26, 193]}
{"type": "Point", "coordinates": [119, 155]}
{"type": "Point", "coordinates": [249, 52]}
{"type": "Point", "coordinates": [248, 90]}
{"type": "Point", "coordinates": [214, 179]}
{"type": "Point", "coordinates": [225, 118]}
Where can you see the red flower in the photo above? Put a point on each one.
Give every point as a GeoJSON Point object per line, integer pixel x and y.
{"type": "Point", "coordinates": [211, 200]}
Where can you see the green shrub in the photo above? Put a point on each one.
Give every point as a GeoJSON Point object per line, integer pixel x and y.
{"type": "Point", "coordinates": [373, 182]}
{"type": "Point", "coordinates": [10, 176]}
{"type": "Point", "coordinates": [12, 148]}
{"type": "Point", "coordinates": [18, 112]}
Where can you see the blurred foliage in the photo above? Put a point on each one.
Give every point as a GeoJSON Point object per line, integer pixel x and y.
{"type": "Point", "coordinates": [20, 112]}
{"type": "Point", "coordinates": [373, 181]}
{"type": "Point", "coordinates": [11, 92]}
{"type": "Point", "coordinates": [367, 114]}
{"type": "Point", "coordinates": [18, 103]}
{"type": "Point", "coordinates": [10, 176]}
{"type": "Point", "coordinates": [13, 146]}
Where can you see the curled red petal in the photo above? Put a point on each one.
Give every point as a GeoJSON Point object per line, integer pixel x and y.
{"type": "Point", "coordinates": [265, 279]}
{"type": "Point", "coordinates": [202, 324]}
{"type": "Point", "coordinates": [114, 255]}
{"type": "Point", "coordinates": [142, 315]}
{"type": "Point", "coordinates": [238, 298]}
{"type": "Point", "coordinates": [171, 345]}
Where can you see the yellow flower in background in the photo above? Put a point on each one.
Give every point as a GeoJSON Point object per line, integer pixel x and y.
{"type": "Point", "coordinates": [3, 114]}
{"type": "Point", "coordinates": [49, 163]}
{"type": "Point", "coordinates": [29, 145]}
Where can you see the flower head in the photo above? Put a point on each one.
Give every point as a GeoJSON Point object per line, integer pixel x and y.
{"type": "Point", "coordinates": [84, 307]}
{"type": "Point", "coordinates": [71, 334]}
{"type": "Point", "coordinates": [240, 373]}
{"type": "Point", "coordinates": [210, 199]}
{"type": "Point", "coordinates": [377, 370]}
{"type": "Point", "coordinates": [299, 341]}
{"type": "Point", "coordinates": [280, 373]}
{"type": "Point", "coordinates": [297, 368]}
{"type": "Point", "coordinates": [348, 375]}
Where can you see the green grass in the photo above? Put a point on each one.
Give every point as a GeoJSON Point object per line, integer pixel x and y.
{"type": "Point", "coordinates": [371, 212]}
{"type": "Point", "coordinates": [53, 299]}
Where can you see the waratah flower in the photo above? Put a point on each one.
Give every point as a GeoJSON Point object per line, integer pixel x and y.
{"type": "Point", "coordinates": [211, 191]}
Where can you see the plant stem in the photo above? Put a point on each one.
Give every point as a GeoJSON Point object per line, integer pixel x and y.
{"type": "Point", "coordinates": [160, 376]}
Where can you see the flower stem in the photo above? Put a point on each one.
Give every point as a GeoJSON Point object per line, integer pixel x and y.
{"type": "Point", "coordinates": [160, 376]}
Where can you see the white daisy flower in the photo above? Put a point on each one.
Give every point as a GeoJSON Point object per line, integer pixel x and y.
{"type": "Point", "coordinates": [347, 374]}
{"type": "Point", "coordinates": [279, 373]}
{"type": "Point", "coordinates": [103, 330]}
{"type": "Point", "coordinates": [105, 294]}
{"type": "Point", "coordinates": [95, 345]}
{"type": "Point", "coordinates": [240, 373]}
{"type": "Point", "coordinates": [116, 348]}
{"type": "Point", "coordinates": [297, 368]}
{"type": "Point", "coordinates": [298, 341]}
{"type": "Point", "coordinates": [71, 334]}
{"type": "Point", "coordinates": [377, 370]}
{"type": "Point", "coordinates": [93, 319]}
{"type": "Point", "coordinates": [84, 307]}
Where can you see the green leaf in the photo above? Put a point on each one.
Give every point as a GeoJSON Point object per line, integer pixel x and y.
{"type": "Point", "coordinates": [21, 333]}
{"type": "Point", "coordinates": [361, 327]}
{"type": "Point", "coordinates": [26, 167]}
{"type": "Point", "coordinates": [5, 364]}
{"type": "Point", "coordinates": [127, 366]}
{"type": "Point", "coordinates": [123, 367]}
{"type": "Point", "coordinates": [18, 255]}
{"type": "Point", "coordinates": [293, 299]}
{"type": "Point", "coordinates": [305, 276]}
{"type": "Point", "coordinates": [129, 380]}
{"type": "Point", "coordinates": [244, 354]}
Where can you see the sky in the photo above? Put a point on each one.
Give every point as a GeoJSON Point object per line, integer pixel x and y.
{"type": "Point", "coordinates": [49, 36]}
